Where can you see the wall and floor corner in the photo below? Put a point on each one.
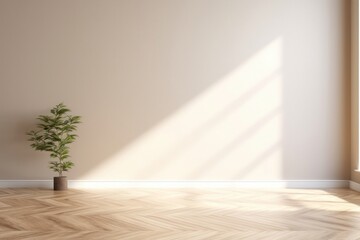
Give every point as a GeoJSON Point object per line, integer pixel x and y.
{"type": "Point", "coordinates": [174, 91]}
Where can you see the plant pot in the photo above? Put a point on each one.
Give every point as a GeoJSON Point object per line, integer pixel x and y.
{"type": "Point", "coordinates": [60, 183]}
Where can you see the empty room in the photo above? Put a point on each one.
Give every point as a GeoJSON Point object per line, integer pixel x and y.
{"type": "Point", "coordinates": [179, 119]}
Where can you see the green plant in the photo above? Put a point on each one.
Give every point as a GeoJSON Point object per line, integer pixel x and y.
{"type": "Point", "coordinates": [54, 134]}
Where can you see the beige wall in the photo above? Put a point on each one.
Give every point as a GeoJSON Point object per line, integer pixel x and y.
{"type": "Point", "coordinates": [182, 89]}
{"type": "Point", "coordinates": [355, 176]}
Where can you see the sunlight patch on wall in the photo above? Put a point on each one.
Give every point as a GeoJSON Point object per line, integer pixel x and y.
{"type": "Point", "coordinates": [232, 131]}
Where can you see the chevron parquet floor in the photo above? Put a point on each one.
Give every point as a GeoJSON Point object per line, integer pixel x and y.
{"type": "Point", "coordinates": [164, 214]}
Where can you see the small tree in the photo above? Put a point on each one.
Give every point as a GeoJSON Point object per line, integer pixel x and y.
{"type": "Point", "coordinates": [54, 135]}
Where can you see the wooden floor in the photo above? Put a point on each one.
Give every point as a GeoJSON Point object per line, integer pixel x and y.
{"type": "Point", "coordinates": [179, 214]}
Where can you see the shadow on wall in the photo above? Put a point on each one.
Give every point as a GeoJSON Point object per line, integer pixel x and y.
{"type": "Point", "coordinates": [316, 106]}
{"type": "Point", "coordinates": [172, 90]}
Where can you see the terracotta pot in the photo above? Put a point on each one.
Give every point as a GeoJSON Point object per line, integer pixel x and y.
{"type": "Point", "coordinates": [60, 183]}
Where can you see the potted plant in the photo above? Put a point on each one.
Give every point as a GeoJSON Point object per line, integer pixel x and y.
{"type": "Point", "coordinates": [54, 134]}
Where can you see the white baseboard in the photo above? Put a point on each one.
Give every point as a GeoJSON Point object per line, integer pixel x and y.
{"type": "Point", "coordinates": [182, 184]}
{"type": "Point", "coordinates": [354, 186]}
